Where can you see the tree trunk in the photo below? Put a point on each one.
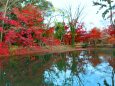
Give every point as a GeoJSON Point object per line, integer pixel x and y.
{"type": "Point", "coordinates": [4, 15]}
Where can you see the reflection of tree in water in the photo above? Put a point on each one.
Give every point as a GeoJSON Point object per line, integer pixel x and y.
{"type": "Point", "coordinates": [108, 57]}
{"type": "Point", "coordinates": [25, 71]}
{"type": "Point", "coordinates": [73, 69]}
{"type": "Point", "coordinates": [112, 64]}
{"type": "Point", "coordinates": [66, 71]}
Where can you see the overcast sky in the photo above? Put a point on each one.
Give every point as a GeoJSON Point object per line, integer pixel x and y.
{"type": "Point", "coordinates": [91, 19]}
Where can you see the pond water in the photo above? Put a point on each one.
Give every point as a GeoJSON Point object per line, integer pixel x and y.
{"type": "Point", "coordinates": [78, 68]}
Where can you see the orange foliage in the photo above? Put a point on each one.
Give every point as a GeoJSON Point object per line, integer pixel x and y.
{"type": "Point", "coordinates": [50, 32]}
{"type": "Point", "coordinates": [111, 40]}
{"type": "Point", "coordinates": [95, 33]}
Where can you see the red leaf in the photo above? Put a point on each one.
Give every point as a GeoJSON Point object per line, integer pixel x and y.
{"type": "Point", "coordinates": [1, 29]}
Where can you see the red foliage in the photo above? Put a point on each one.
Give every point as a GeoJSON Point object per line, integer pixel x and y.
{"type": "Point", "coordinates": [13, 22]}
{"type": "Point", "coordinates": [111, 30]}
{"type": "Point", "coordinates": [30, 15]}
{"type": "Point", "coordinates": [51, 41]}
{"type": "Point", "coordinates": [67, 38]}
{"type": "Point", "coordinates": [38, 33]}
{"type": "Point", "coordinates": [32, 58]}
{"type": "Point", "coordinates": [66, 27]}
{"type": "Point", "coordinates": [4, 49]}
{"type": "Point", "coordinates": [10, 37]}
{"type": "Point", "coordinates": [80, 34]}
{"type": "Point", "coordinates": [95, 33]}
{"type": "Point", "coordinates": [1, 29]}
{"type": "Point", "coordinates": [25, 28]}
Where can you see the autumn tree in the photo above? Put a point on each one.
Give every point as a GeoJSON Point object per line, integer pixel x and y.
{"type": "Point", "coordinates": [95, 35]}
{"type": "Point", "coordinates": [73, 19]}
{"type": "Point", "coordinates": [23, 28]}
{"type": "Point", "coordinates": [7, 5]}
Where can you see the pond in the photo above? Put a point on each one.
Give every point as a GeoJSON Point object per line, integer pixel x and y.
{"type": "Point", "coordinates": [78, 68]}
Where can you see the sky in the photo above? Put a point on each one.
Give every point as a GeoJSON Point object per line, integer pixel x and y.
{"type": "Point", "coordinates": [90, 17]}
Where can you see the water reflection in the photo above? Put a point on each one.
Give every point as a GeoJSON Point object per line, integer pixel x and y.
{"type": "Point", "coordinates": [78, 68]}
{"type": "Point", "coordinates": [85, 68]}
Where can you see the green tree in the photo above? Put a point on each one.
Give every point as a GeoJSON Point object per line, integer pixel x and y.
{"type": "Point", "coordinates": [42, 4]}
{"type": "Point", "coordinates": [109, 9]}
{"type": "Point", "coordinates": [59, 30]}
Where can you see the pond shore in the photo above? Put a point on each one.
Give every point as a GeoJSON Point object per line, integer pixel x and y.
{"type": "Point", "coordinates": [43, 50]}
{"type": "Point", "coordinates": [47, 50]}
